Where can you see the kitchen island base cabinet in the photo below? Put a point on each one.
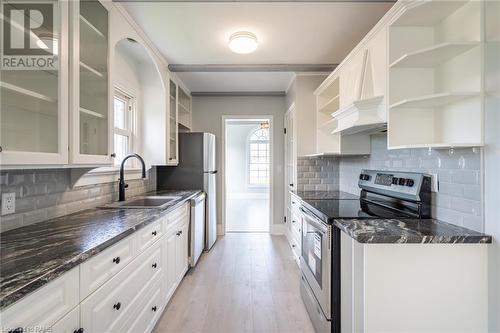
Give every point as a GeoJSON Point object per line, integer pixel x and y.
{"type": "Point", "coordinates": [413, 287]}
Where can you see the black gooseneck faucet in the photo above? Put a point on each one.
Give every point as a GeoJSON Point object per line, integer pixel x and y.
{"type": "Point", "coordinates": [121, 185]}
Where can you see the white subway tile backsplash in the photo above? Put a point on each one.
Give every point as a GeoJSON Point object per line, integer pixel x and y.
{"type": "Point", "coordinates": [459, 200]}
{"type": "Point", "coordinates": [317, 173]}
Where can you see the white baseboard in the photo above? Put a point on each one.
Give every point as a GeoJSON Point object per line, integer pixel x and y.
{"type": "Point", "coordinates": [220, 231]}
{"type": "Point", "coordinates": [278, 229]}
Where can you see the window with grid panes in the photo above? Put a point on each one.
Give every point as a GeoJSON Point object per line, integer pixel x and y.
{"type": "Point", "coordinates": [123, 105]}
{"type": "Point", "coordinates": [259, 157]}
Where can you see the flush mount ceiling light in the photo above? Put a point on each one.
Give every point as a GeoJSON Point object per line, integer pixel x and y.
{"type": "Point", "coordinates": [243, 42]}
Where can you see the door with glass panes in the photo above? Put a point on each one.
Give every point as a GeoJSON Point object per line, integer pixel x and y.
{"type": "Point", "coordinates": [34, 83]}
{"type": "Point", "coordinates": [91, 118]}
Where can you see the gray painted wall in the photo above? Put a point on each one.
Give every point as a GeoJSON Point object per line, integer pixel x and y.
{"type": "Point", "coordinates": [46, 194]}
{"type": "Point", "coordinates": [207, 117]}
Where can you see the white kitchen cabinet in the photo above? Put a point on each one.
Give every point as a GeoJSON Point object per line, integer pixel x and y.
{"type": "Point", "coordinates": [413, 287]}
{"type": "Point", "coordinates": [99, 269]}
{"type": "Point", "coordinates": [148, 312]}
{"type": "Point", "coordinates": [170, 248]}
{"type": "Point", "coordinates": [34, 103]}
{"type": "Point", "coordinates": [182, 249]}
{"type": "Point", "coordinates": [173, 127]}
{"type": "Point", "coordinates": [70, 323]}
{"type": "Point", "coordinates": [351, 102]}
{"type": "Point", "coordinates": [62, 115]}
{"type": "Point", "coordinates": [111, 306]}
{"type": "Point", "coordinates": [436, 75]}
{"type": "Point", "coordinates": [91, 116]}
{"type": "Point", "coordinates": [44, 307]}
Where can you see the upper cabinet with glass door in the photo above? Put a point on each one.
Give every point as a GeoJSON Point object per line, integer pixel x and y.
{"type": "Point", "coordinates": [172, 124]}
{"type": "Point", "coordinates": [33, 83]}
{"type": "Point", "coordinates": [91, 116]}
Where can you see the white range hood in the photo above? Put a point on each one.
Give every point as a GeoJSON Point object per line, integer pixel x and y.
{"type": "Point", "coordinates": [361, 116]}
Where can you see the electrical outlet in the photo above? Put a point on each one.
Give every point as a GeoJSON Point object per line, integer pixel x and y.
{"type": "Point", "coordinates": [8, 203]}
{"type": "Point", "coordinates": [434, 182]}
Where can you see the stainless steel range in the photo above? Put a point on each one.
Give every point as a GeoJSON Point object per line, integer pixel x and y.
{"type": "Point", "coordinates": [384, 194]}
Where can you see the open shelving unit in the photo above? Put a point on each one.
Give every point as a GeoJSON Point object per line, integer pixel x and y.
{"type": "Point", "coordinates": [435, 76]}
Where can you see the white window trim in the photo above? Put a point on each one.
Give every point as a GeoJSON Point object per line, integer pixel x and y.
{"type": "Point", "coordinates": [249, 141]}
{"type": "Point", "coordinates": [110, 174]}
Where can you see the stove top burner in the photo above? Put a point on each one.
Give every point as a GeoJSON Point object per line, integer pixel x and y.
{"type": "Point", "coordinates": [344, 209]}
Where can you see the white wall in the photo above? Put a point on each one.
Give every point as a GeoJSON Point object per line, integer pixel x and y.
{"type": "Point", "coordinates": [237, 158]}
{"type": "Point", "coordinates": [492, 158]}
{"type": "Point", "coordinates": [207, 117]}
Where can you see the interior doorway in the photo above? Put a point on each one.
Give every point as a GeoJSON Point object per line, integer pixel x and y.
{"type": "Point", "coordinates": [247, 174]}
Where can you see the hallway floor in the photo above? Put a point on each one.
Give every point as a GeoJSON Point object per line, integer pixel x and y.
{"type": "Point", "coordinates": [246, 283]}
{"type": "Point", "coordinates": [247, 214]}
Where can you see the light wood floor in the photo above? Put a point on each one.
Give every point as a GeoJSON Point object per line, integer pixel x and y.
{"type": "Point", "coordinates": [246, 283]}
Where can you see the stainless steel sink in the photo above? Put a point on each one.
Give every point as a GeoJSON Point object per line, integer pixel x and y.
{"type": "Point", "coordinates": [157, 202]}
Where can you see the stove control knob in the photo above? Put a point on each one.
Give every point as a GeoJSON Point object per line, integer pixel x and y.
{"type": "Point", "coordinates": [395, 180]}
{"type": "Point", "coordinates": [402, 181]}
{"type": "Point", "coordinates": [366, 177]}
{"type": "Point", "coordinates": [361, 176]}
{"type": "Point", "coordinates": [410, 182]}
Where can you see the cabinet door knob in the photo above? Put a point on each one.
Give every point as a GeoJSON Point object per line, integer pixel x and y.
{"type": "Point", "coordinates": [1, 149]}
{"type": "Point", "coordinates": [293, 245]}
{"type": "Point", "coordinates": [117, 306]}
{"type": "Point", "coordinates": [154, 265]}
{"type": "Point", "coordinates": [154, 308]}
{"type": "Point", "coordinates": [17, 330]}
{"type": "Point", "coordinates": [153, 233]}
{"type": "Point", "coordinates": [116, 260]}
{"type": "Point", "coordinates": [178, 233]}
{"type": "Point", "coordinates": [112, 155]}
{"type": "Point", "coordinates": [80, 330]}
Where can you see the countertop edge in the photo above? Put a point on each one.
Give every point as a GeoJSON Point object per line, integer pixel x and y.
{"type": "Point", "coordinates": [36, 284]}
{"type": "Point", "coordinates": [402, 239]}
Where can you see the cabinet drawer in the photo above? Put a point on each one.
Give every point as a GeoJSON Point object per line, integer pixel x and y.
{"type": "Point", "coordinates": [296, 223]}
{"type": "Point", "coordinates": [99, 269]}
{"type": "Point", "coordinates": [178, 214]}
{"type": "Point", "coordinates": [70, 323]}
{"type": "Point", "coordinates": [150, 234]}
{"type": "Point", "coordinates": [148, 311]}
{"type": "Point", "coordinates": [43, 308]}
{"type": "Point", "coordinates": [114, 303]}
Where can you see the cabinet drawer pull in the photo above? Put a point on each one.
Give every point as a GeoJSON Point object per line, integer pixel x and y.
{"type": "Point", "coordinates": [154, 265]}
{"type": "Point", "coordinates": [153, 233]}
{"type": "Point", "coordinates": [17, 330]}
{"type": "Point", "coordinates": [80, 330]}
{"type": "Point", "coordinates": [178, 233]}
{"type": "Point", "coordinates": [112, 155]}
{"type": "Point", "coordinates": [116, 260]}
{"type": "Point", "coordinates": [154, 308]}
{"type": "Point", "coordinates": [117, 306]}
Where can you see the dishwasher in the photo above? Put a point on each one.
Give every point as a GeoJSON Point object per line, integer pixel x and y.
{"type": "Point", "coordinates": [197, 229]}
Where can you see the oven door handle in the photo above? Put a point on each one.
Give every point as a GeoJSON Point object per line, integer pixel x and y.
{"type": "Point", "coordinates": [312, 219]}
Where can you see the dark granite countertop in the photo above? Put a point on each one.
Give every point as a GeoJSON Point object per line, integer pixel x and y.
{"type": "Point", "coordinates": [33, 255]}
{"type": "Point", "coordinates": [376, 230]}
{"type": "Point", "coordinates": [325, 195]}
{"type": "Point", "coordinates": [409, 231]}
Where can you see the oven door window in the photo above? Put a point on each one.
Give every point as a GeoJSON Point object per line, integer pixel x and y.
{"type": "Point", "coordinates": [312, 250]}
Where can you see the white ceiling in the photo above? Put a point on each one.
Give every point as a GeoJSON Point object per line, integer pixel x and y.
{"type": "Point", "coordinates": [236, 81]}
{"type": "Point", "coordinates": [288, 33]}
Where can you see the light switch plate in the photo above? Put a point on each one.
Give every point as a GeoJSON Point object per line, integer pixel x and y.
{"type": "Point", "coordinates": [8, 203]}
{"type": "Point", "coordinates": [434, 182]}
